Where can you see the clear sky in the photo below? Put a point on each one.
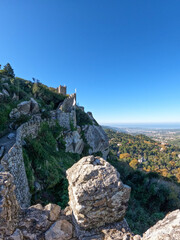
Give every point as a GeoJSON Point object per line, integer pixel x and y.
{"type": "Point", "coordinates": [122, 56]}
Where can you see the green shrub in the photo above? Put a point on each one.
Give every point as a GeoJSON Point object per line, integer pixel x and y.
{"type": "Point", "coordinates": [48, 166]}
{"type": "Point", "coordinates": [82, 118]}
{"type": "Point", "coordinates": [22, 119]}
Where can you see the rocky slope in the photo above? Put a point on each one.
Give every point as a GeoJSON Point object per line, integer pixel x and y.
{"type": "Point", "coordinates": [94, 213]}
{"type": "Point", "coordinates": [81, 133]}
{"type": "Point", "coordinates": [98, 198]}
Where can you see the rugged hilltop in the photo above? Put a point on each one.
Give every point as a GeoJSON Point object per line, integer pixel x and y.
{"type": "Point", "coordinates": [43, 136]}
{"type": "Point", "coordinates": [30, 109]}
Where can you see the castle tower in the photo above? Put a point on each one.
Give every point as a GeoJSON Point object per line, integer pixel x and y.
{"type": "Point", "coordinates": [62, 90]}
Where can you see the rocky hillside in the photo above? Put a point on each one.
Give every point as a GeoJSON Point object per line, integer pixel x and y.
{"type": "Point", "coordinates": [98, 202]}
{"type": "Point", "coordinates": [43, 136]}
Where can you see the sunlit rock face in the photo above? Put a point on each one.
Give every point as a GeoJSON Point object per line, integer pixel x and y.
{"type": "Point", "coordinates": [97, 195]}
{"type": "Point", "coordinates": [166, 229]}
{"type": "Point", "coordinates": [9, 208]}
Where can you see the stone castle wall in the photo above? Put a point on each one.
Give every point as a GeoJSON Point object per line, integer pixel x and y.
{"type": "Point", "coordinates": [62, 90]}
{"type": "Point", "coordinates": [65, 119]}
{"type": "Point", "coordinates": [13, 161]}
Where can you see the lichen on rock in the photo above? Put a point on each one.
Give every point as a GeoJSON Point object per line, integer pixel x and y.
{"type": "Point", "coordinates": [97, 195]}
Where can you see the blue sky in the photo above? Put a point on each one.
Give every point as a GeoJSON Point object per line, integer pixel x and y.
{"type": "Point", "coordinates": [122, 56]}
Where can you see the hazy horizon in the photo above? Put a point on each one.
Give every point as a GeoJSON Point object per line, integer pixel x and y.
{"type": "Point", "coordinates": [157, 125]}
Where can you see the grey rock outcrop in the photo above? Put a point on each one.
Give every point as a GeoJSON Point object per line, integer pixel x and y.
{"type": "Point", "coordinates": [5, 92]}
{"type": "Point", "coordinates": [15, 97]}
{"type": "Point", "coordinates": [166, 229]}
{"type": "Point", "coordinates": [97, 139]}
{"type": "Point", "coordinates": [97, 195]}
{"type": "Point", "coordinates": [60, 230]}
{"type": "Point", "coordinates": [9, 208]}
{"type": "Point", "coordinates": [6, 86]}
{"type": "Point", "coordinates": [68, 104]}
{"type": "Point", "coordinates": [74, 142]}
{"type": "Point", "coordinates": [34, 106]}
{"type": "Point", "coordinates": [25, 108]}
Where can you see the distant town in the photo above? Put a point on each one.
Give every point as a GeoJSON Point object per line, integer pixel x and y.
{"type": "Point", "coordinates": [170, 136]}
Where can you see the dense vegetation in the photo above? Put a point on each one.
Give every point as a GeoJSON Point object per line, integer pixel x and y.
{"type": "Point", "coordinates": [82, 118]}
{"type": "Point", "coordinates": [47, 97]}
{"type": "Point", "coordinates": [142, 153]}
{"type": "Point", "coordinates": [152, 196]}
{"type": "Point", "coordinates": [46, 163]}
{"type": "Point", "coordinates": [152, 179]}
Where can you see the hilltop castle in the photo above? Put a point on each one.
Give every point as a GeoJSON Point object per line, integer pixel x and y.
{"type": "Point", "coordinates": [62, 90]}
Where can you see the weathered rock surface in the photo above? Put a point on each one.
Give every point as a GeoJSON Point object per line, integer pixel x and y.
{"type": "Point", "coordinates": [166, 229]}
{"type": "Point", "coordinates": [17, 235]}
{"type": "Point", "coordinates": [5, 92]}
{"type": "Point", "coordinates": [53, 210]}
{"type": "Point", "coordinates": [9, 208]}
{"type": "Point", "coordinates": [51, 223]}
{"type": "Point", "coordinates": [25, 108]}
{"type": "Point", "coordinates": [74, 142]}
{"type": "Point", "coordinates": [60, 230]}
{"type": "Point", "coordinates": [68, 104]}
{"type": "Point", "coordinates": [115, 231]}
{"type": "Point", "coordinates": [97, 195]}
{"type": "Point", "coordinates": [97, 139]}
{"type": "Point", "coordinates": [34, 106]}
{"type": "Point", "coordinates": [35, 222]}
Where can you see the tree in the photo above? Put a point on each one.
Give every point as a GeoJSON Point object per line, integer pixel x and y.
{"type": "Point", "coordinates": [8, 70]}
{"type": "Point", "coordinates": [124, 155]}
{"type": "Point", "coordinates": [133, 163]}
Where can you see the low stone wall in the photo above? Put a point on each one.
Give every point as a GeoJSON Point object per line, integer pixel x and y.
{"type": "Point", "coordinates": [13, 161]}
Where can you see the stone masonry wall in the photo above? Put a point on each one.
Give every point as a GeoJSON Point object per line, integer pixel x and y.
{"type": "Point", "coordinates": [13, 161]}
{"type": "Point", "coordinates": [9, 208]}
{"type": "Point", "coordinates": [66, 118]}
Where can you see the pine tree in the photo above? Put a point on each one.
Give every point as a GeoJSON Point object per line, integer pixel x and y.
{"type": "Point", "coordinates": [8, 70]}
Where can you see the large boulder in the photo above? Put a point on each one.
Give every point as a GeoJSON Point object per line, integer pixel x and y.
{"type": "Point", "coordinates": [166, 229]}
{"type": "Point", "coordinates": [5, 92]}
{"type": "Point", "coordinates": [34, 221]}
{"type": "Point", "coordinates": [97, 139]}
{"type": "Point", "coordinates": [53, 211]}
{"type": "Point", "coordinates": [60, 230]}
{"type": "Point", "coordinates": [97, 195]}
{"type": "Point", "coordinates": [25, 108]}
{"type": "Point", "coordinates": [74, 142]}
{"type": "Point", "coordinates": [34, 106]}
